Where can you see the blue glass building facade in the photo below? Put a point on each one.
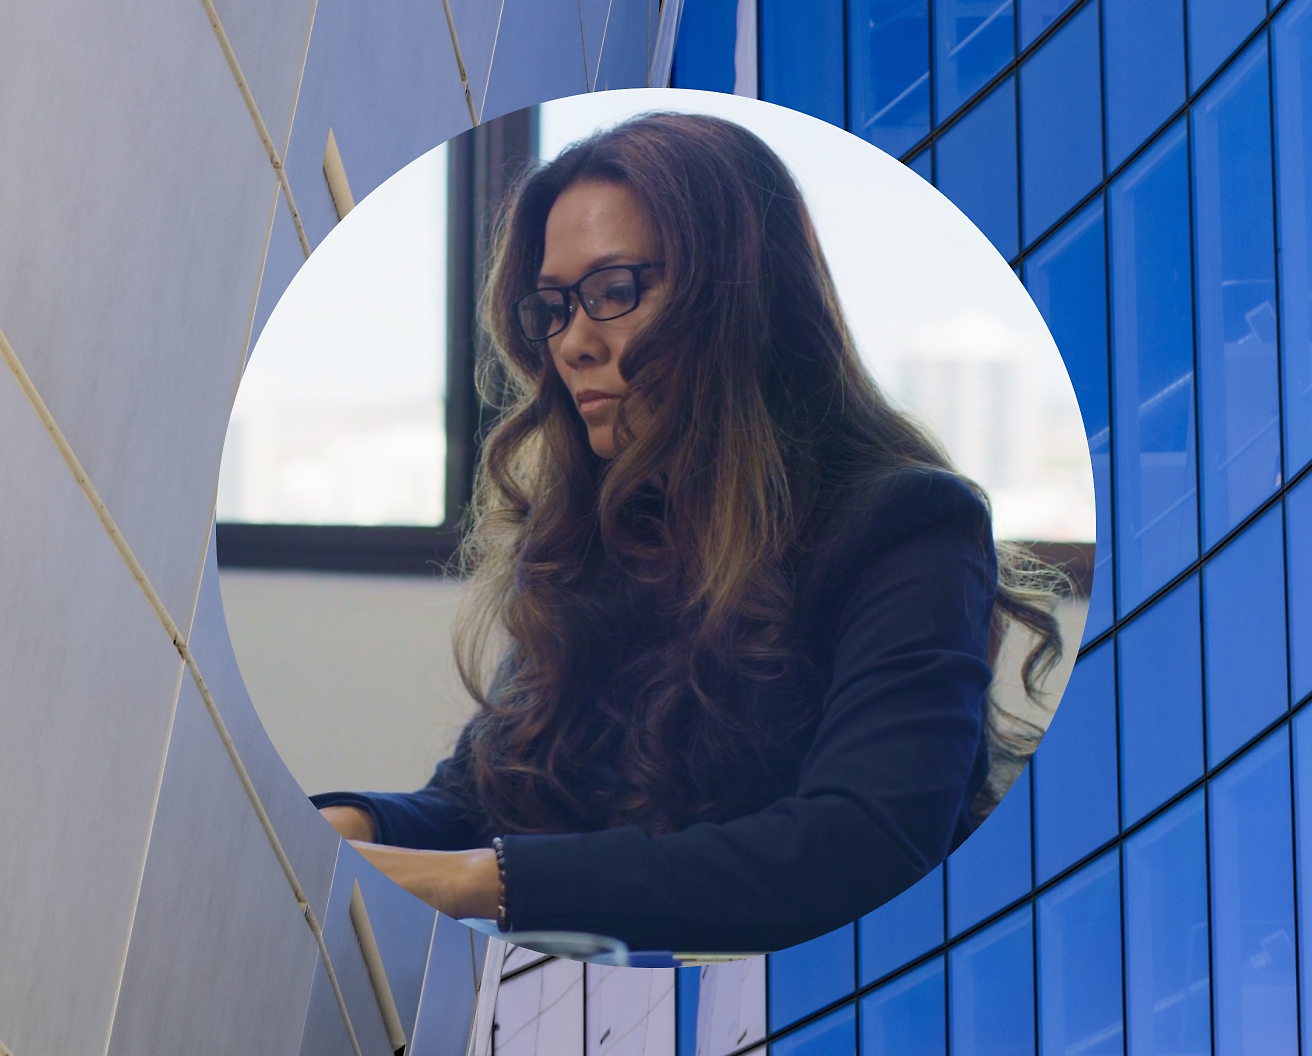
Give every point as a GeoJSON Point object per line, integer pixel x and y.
{"type": "Point", "coordinates": [1146, 166]}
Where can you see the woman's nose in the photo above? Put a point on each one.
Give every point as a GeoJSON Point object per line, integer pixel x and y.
{"type": "Point", "coordinates": [582, 339]}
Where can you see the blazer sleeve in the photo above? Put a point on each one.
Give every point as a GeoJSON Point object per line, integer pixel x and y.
{"type": "Point", "coordinates": [882, 798]}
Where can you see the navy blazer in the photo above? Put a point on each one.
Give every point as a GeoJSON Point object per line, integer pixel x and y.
{"type": "Point", "coordinates": [893, 602]}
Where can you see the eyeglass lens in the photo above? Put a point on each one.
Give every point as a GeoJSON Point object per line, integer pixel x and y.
{"type": "Point", "coordinates": [605, 294]}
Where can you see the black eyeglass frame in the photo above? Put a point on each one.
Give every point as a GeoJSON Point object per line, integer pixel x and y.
{"type": "Point", "coordinates": [577, 290]}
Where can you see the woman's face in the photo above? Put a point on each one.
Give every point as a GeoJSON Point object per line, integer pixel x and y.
{"type": "Point", "coordinates": [593, 225]}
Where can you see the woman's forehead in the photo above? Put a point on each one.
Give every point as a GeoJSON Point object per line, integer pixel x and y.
{"type": "Point", "coordinates": [593, 223]}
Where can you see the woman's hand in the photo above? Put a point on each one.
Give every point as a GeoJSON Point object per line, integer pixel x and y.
{"type": "Point", "coordinates": [351, 823]}
{"type": "Point", "coordinates": [458, 883]}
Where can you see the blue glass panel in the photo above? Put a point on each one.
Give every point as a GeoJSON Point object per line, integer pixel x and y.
{"type": "Point", "coordinates": [1216, 28]}
{"type": "Point", "coordinates": [1080, 963]}
{"type": "Point", "coordinates": [802, 56]}
{"type": "Point", "coordinates": [1244, 636]}
{"type": "Point", "coordinates": [1075, 806]}
{"type": "Point", "coordinates": [906, 1017]}
{"type": "Point", "coordinates": [1253, 904]}
{"type": "Point", "coordinates": [901, 930]}
{"type": "Point", "coordinates": [1293, 73]}
{"type": "Point", "coordinates": [977, 166]}
{"type": "Point", "coordinates": [992, 868]}
{"type": "Point", "coordinates": [1038, 15]}
{"type": "Point", "coordinates": [1067, 278]}
{"type": "Point", "coordinates": [1152, 371]}
{"type": "Point", "coordinates": [1168, 1007]}
{"type": "Point", "coordinates": [888, 72]}
{"type": "Point", "coordinates": [923, 165]}
{"type": "Point", "coordinates": [809, 976]}
{"type": "Point", "coordinates": [1298, 575]}
{"type": "Point", "coordinates": [688, 984]}
{"type": "Point", "coordinates": [992, 989]}
{"type": "Point", "coordinates": [834, 1035]}
{"type": "Point", "coordinates": [1238, 395]}
{"type": "Point", "coordinates": [1143, 49]}
{"type": "Point", "coordinates": [703, 53]}
{"type": "Point", "coordinates": [1303, 826]}
{"type": "Point", "coordinates": [1060, 123]}
{"type": "Point", "coordinates": [1161, 664]}
{"type": "Point", "coordinates": [973, 40]}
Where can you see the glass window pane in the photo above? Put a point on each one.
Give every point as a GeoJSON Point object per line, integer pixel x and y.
{"type": "Point", "coordinates": [992, 868]}
{"type": "Point", "coordinates": [1038, 15]}
{"type": "Point", "coordinates": [834, 1035]}
{"type": "Point", "coordinates": [1253, 904]}
{"type": "Point", "coordinates": [1161, 688]}
{"type": "Point", "coordinates": [730, 1006]}
{"type": "Point", "coordinates": [1075, 807]}
{"type": "Point", "coordinates": [973, 40]}
{"type": "Point", "coordinates": [992, 989]}
{"type": "Point", "coordinates": [541, 1011]}
{"type": "Point", "coordinates": [888, 72]}
{"type": "Point", "coordinates": [1061, 123]}
{"type": "Point", "coordinates": [1143, 48]}
{"type": "Point", "coordinates": [906, 1017]}
{"type": "Point", "coordinates": [1067, 278]}
{"type": "Point", "coordinates": [1168, 1007]}
{"type": "Point", "coordinates": [811, 975]}
{"type": "Point", "coordinates": [802, 57]}
{"type": "Point", "coordinates": [1216, 28]}
{"type": "Point", "coordinates": [1244, 636]}
{"type": "Point", "coordinates": [1239, 396]}
{"type": "Point", "coordinates": [1293, 85]}
{"type": "Point", "coordinates": [1153, 363]}
{"type": "Point", "coordinates": [1080, 963]}
{"type": "Point", "coordinates": [1303, 829]}
{"type": "Point", "coordinates": [1298, 575]}
{"type": "Point", "coordinates": [977, 166]}
{"type": "Point", "coordinates": [688, 987]}
{"type": "Point", "coordinates": [923, 165]}
{"type": "Point", "coordinates": [703, 53]}
{"type": "Point", "coordinates": [628, 1003]}
{"type": "Point", "coordinates": [901, 930]}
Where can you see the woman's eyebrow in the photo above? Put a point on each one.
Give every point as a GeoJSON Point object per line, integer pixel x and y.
{"type": "Point", "coordinates": [596, 262]}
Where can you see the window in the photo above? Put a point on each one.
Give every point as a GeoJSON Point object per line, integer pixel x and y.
{"type": "Point", "coordinates": [992, 989]}
{"type": "Point", "coordinates": [834, 1035]}
{"type": "Point", "coordinates": [807, 977]}
{"type": "Point", "coordinates": [888, 58]}
{"type": "Point", "coordinates": [992, 868]}
{"type": "Point", "coordinates": [976, 166]}
{"type": "Point", "coordinates": [1143, 57]}
{"type": "Point", "coordinates": [973, 41]}
{"type": "Point", "coordinates": [802, 57]}
{"type": "Point", "coordinates": [1216, 28]}
{"type": "Point", "coordinates": [903, 929]}
{"type": "Point", "coordinates": [906, 1017]}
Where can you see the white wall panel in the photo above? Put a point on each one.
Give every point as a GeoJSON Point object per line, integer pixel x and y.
{"type": "Point", "coordinates": [630, 1011]}
{"type": "Point", "coordinates": [136, 205]}
{"type": "Point", "coordinates": [630, 41]}
{"type": "Point", "coordinates": [87, 684]}
{"type": "Point", "coordinates": [220, 959]}
{"type": "Point", "coordinates": [446, 1007]}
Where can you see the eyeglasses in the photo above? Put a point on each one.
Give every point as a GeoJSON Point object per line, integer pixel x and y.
{"type": "Point", "coordinates": [605, 294]}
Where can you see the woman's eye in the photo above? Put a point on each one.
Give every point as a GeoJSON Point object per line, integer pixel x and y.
{"type": "Point", "coordinates": [620, 293]}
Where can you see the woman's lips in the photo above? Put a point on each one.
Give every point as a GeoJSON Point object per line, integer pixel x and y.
{"type": "Point", "coordinates": [589, 402]}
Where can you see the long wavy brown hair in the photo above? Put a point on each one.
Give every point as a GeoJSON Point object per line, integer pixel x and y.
{"type": "Point", "coordinates": [626, 597]}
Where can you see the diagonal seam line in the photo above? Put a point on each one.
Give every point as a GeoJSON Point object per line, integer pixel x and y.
{"type": "Point", "coordinates": [583, 40]}
{"type": "Point", "coordinates": [180, 643]}
{"type": "Point", "coordinates": [487, 83]}
{"type": "Point", "coordinates": [596, 76]}
{"type": "Point", "coordinates": [260, 126]}
{"type": "Point", "coordinates": [460, 59]}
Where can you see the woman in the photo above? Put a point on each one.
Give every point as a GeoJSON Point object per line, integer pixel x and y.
{"type": "Point", "coordinates": [744, 610]}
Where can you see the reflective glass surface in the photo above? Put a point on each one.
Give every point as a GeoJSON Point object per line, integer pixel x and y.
{"type": "Point", "coordinates": [1161, 666]}
{"type": "Point", "coordinates": [1244, 636]}
{"type": "Point", "coordinates": [901, 930]}
{"type": "Point", "coordinates": [973, 40]}
{"type": "Point", "coordinates": [1143, 63]}
{"type": "Point", "coordinates": [1292, 58]}
{"type": "Point", "coordinates": [992, 868]}
{"type": "Point", "coordinates": [1075, 808]}
{"type": "Point", "coordinates": [1168, 1007]}
{"type": "Point", "coordinates": [977, 166]}
{"type": "Point", "coordinates": [834, 1035]}
{"type": "Point", "coordinates": [1060, 123]}
{"type": "Point", "coordinates": [809, 976]}
{"type": "Point", "coordinates": [1038, 15]}
{"type": "Point", "coordinates": [1152, 370]}
{"type": "Point", "coordinates": [687, 990]}
{"type": "Point", "coordinates": [1302, 726]}
{"type": "Point", "coordinates": [1234, 240]}
{"type": "Point", "coordinates": [923, 165]}
{"type": "Point", "coordinates": [1298, 577]}
{"type": "Point", "coordinates": [703, 56]}
{"type": "Point", "coordinates": [1080, 963]}
{"type": "Point", "coordinates": [906, 1017]}
{"type": "Point", "coordinates": [991, 982]}
{"type": "Point", "coordinates": [1216, 28]}
{"type": "Point", "coordinates": [888, 72]}
{"type": "Point", "coordinates": [801, 55]}
{"type": "Point", "coordinates": [1253, 904]}
{"type": "Point", "coordinates": [1067, 278]}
